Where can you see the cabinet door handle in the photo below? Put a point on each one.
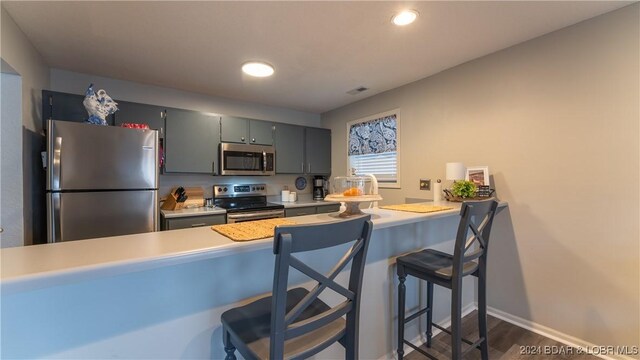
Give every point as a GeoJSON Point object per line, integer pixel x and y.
{"type": "Point", "coordinates": [242, 139]}
{"type": "Point", "coordinates": [253, 140]}
{"type": "Point", "coordinates": [199, 224]}
{"type": "Point", "coordinates": [302, 167]}
{"type": "Point", "coordinates": [213, 167]}
{"type": "Point", "coordinates": [309, 168]}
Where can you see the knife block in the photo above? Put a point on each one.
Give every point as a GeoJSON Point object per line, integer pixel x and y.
{"type": "Point", "coordinates": [171, 203]}
{"type": "Point", "coordinates": [195, 198]}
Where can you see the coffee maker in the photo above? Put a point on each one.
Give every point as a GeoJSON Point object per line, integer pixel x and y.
{"type": "Point", "coordinates": [319, 187]}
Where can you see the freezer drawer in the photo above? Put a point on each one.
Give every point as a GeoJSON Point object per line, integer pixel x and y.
{"type": "Point", "coordinates": [85, 215]}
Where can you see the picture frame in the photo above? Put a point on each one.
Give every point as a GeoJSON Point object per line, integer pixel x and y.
{"type": "Point", "coordinates": [479, 175]}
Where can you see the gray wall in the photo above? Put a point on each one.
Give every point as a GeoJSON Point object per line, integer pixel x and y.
{"type": "Point", "coordinates": [17, 52]}
{"type": "Point", "coordinates": [556, 119]}
{"type": "Point", "coordinates": [11, 216]}
{"type": "Point", "coordinates": [72, 82]}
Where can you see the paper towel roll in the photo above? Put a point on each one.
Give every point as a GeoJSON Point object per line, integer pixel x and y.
{"type": "Point", "coordinates": [285, 195]}
{"type": "Point", "coordinates": [437, 191]}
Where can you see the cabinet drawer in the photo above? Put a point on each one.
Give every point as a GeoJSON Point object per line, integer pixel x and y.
{"type": "Point", "coordinates": [194, 221]}
{"type": "Point", "coordinates": [300, 211]}
{"type": "Point", "coordinates": [328, 208]}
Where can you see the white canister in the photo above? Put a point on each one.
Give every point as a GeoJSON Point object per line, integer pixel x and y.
{"type": "Point", "coordinates": [285, 195]}
{"type": "Point", "coordinates": [293, 196]}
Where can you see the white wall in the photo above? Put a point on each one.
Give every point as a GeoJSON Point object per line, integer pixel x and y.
{"type": "Point", "coordinates": [11, 216]}
{"type": "Point", "coordinates": [72, 82]}
{"type": "Point", "coordinates": [556, 119]}
{"type": "Point", "coordinates": [19, 53]}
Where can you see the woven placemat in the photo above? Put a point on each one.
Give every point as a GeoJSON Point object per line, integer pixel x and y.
{"type": "Point", "coordinates": [417, 208]}
{"type": "Point", "coordinates": [250, 230]}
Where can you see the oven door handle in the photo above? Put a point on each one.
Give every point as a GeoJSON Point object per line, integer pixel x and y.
{"type": "Point", "coordinates": [256, 215]}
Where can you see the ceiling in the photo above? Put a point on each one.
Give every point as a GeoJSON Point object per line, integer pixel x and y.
{"type": "Point", "coordinates": [320, 50]}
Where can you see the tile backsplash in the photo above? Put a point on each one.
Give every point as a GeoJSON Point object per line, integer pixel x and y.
{"type": "Point", "coordinates": [274, 183]}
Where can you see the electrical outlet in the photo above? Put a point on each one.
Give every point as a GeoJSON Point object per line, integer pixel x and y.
{"type": "Point", "coordinates": [425, 184]}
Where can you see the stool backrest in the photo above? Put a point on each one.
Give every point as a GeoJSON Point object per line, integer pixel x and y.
{"type": "Point", "coordinates": [476, 219]}
{"type": "Point", "coordinates": [289, 240]}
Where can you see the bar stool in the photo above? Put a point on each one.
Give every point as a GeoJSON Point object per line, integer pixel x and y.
{"type": "Point", "coordinates": [443, 269]}
{"type": "Point", "coordinates": [296, 324]}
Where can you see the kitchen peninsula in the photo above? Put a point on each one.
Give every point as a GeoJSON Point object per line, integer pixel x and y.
{"type": "Point", "coordinates": [160, 295]}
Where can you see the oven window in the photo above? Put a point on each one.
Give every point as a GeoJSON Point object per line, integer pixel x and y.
{"type": "Point", "coordinates": [239, 160]}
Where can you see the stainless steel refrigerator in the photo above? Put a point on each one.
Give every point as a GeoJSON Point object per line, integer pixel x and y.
{"type": "Point", "coordinates": [101, 181]}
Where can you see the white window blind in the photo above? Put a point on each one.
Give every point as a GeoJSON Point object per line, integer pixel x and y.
{"type": "Point", "coordinates": [383, 166]}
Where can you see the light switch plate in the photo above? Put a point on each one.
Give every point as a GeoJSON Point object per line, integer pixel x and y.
{"type": "Point", "coordinates": [425, 184]}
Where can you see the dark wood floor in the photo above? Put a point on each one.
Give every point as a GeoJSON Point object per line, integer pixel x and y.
{"type": "Point", "coordinates": [506, 342]}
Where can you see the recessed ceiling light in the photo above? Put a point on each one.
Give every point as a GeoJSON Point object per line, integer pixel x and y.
{"type": "Point", "coordinates": [257, 69]}
{"type": "Point", "coordinates": [405, 17]}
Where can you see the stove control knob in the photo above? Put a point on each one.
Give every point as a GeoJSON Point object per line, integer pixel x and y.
{"type": "Point", "coordinates": [253, 188]}
{"type": "Point", "coordinates": [225, 189]}
{"type": "Point", "coordinates": [261, 187]}
{"type": "Point", "coordinates": [219, 189]}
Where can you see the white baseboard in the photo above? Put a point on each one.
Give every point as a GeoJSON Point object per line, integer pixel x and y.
{"type": "Point", "coordinates": [421, 338]}
{"type": "Point", "coordinates": [552, 334]}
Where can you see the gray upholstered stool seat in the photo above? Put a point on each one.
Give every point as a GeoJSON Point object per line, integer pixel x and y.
{"type": "Point", "coordinates": [433, 263]}
{"type": "Point", "coordinates": [252, 324]}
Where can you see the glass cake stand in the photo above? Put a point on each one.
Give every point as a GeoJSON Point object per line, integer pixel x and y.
{"type": "Point", "coordinates": [352, 190]}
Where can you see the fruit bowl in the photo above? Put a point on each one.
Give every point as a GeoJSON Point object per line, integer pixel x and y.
{"type": "Point", "coordinates": [352, 190]}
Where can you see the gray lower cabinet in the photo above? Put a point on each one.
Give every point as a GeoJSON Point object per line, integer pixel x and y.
{"type": "Point", "coordinates": [191, 142]}
{"type": "Point", "coordinates": [130, 112]}
{"type": "Point", "coordinates": [328, 208]}
{"type": "Point", "coordinates": [300, 211]}
{"type": "Point", "coordinates": [310, 210]}
{"type": "Point", "coordinates": [246, 131]}
{"type": "Point", "coordinates": [289, 144]}
{"type": "Point", "coordinates": [317, 151]}
{"type": "Point", "coordinates": [192, 221]}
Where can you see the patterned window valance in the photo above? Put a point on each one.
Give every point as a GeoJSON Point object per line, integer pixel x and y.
{"type": "Point", "coordinates": [373, 137]}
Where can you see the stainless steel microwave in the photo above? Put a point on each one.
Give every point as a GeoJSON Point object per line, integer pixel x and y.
{"type": "Point", "coordinates": [242, 159]}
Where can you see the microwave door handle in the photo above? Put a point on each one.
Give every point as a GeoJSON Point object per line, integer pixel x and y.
{"type": "Point", "coordinates": [264, 161]}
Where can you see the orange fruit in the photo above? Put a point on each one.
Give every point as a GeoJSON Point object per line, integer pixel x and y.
{"type": "Point", "coordinates": [352, 192]}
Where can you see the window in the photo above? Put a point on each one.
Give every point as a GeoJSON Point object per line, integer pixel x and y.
{"type": "Point", "coordinates": [373, 147]}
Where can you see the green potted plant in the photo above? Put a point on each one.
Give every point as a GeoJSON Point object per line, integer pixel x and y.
{"type": "Point", "coordinates": [461, 190]}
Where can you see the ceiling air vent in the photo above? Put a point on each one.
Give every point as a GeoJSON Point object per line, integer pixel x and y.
{"type": "Point", "coordinates": [357, 90]}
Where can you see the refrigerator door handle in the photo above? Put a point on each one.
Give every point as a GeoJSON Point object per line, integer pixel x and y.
{"type": "Point", "coordinates": [57, 162]}
{"type": "Point", "coordinates": [54, 228]}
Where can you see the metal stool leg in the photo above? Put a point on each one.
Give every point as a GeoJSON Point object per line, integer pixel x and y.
{"type": "Point", "coordinates": [429, 313]}
{"type": "Point", "coordinates": [482, 314]}
{"type": "Point", "coordinates": [456, 320]}
{"type": "Point", "coordinates": [401, 303]}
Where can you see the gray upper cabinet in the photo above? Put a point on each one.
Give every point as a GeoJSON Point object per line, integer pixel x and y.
{"type": "Point", "coordinates": [130, 112]}
{"type": "Point", "coordinates": [246, 131]}
{"type": "Point", "coordinates": [317, 151]}
{"type": "Point", "coordinates": [234, 129]}
{"type": "Point", "coordinates": [260, 132]}
{"type": "Point", "coordinates": [191, 142]}
{"type": "Point", "coordinates": [289, 143]}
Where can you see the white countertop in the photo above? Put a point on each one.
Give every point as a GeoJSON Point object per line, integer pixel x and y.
{"type": "Point", "coordinates": [199, 211]}
{"type": "Point", "coordinates": [32, 267]}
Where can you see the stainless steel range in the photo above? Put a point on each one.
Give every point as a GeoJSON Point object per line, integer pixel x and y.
{"type": "Point", "coordinates": [246, 202]}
